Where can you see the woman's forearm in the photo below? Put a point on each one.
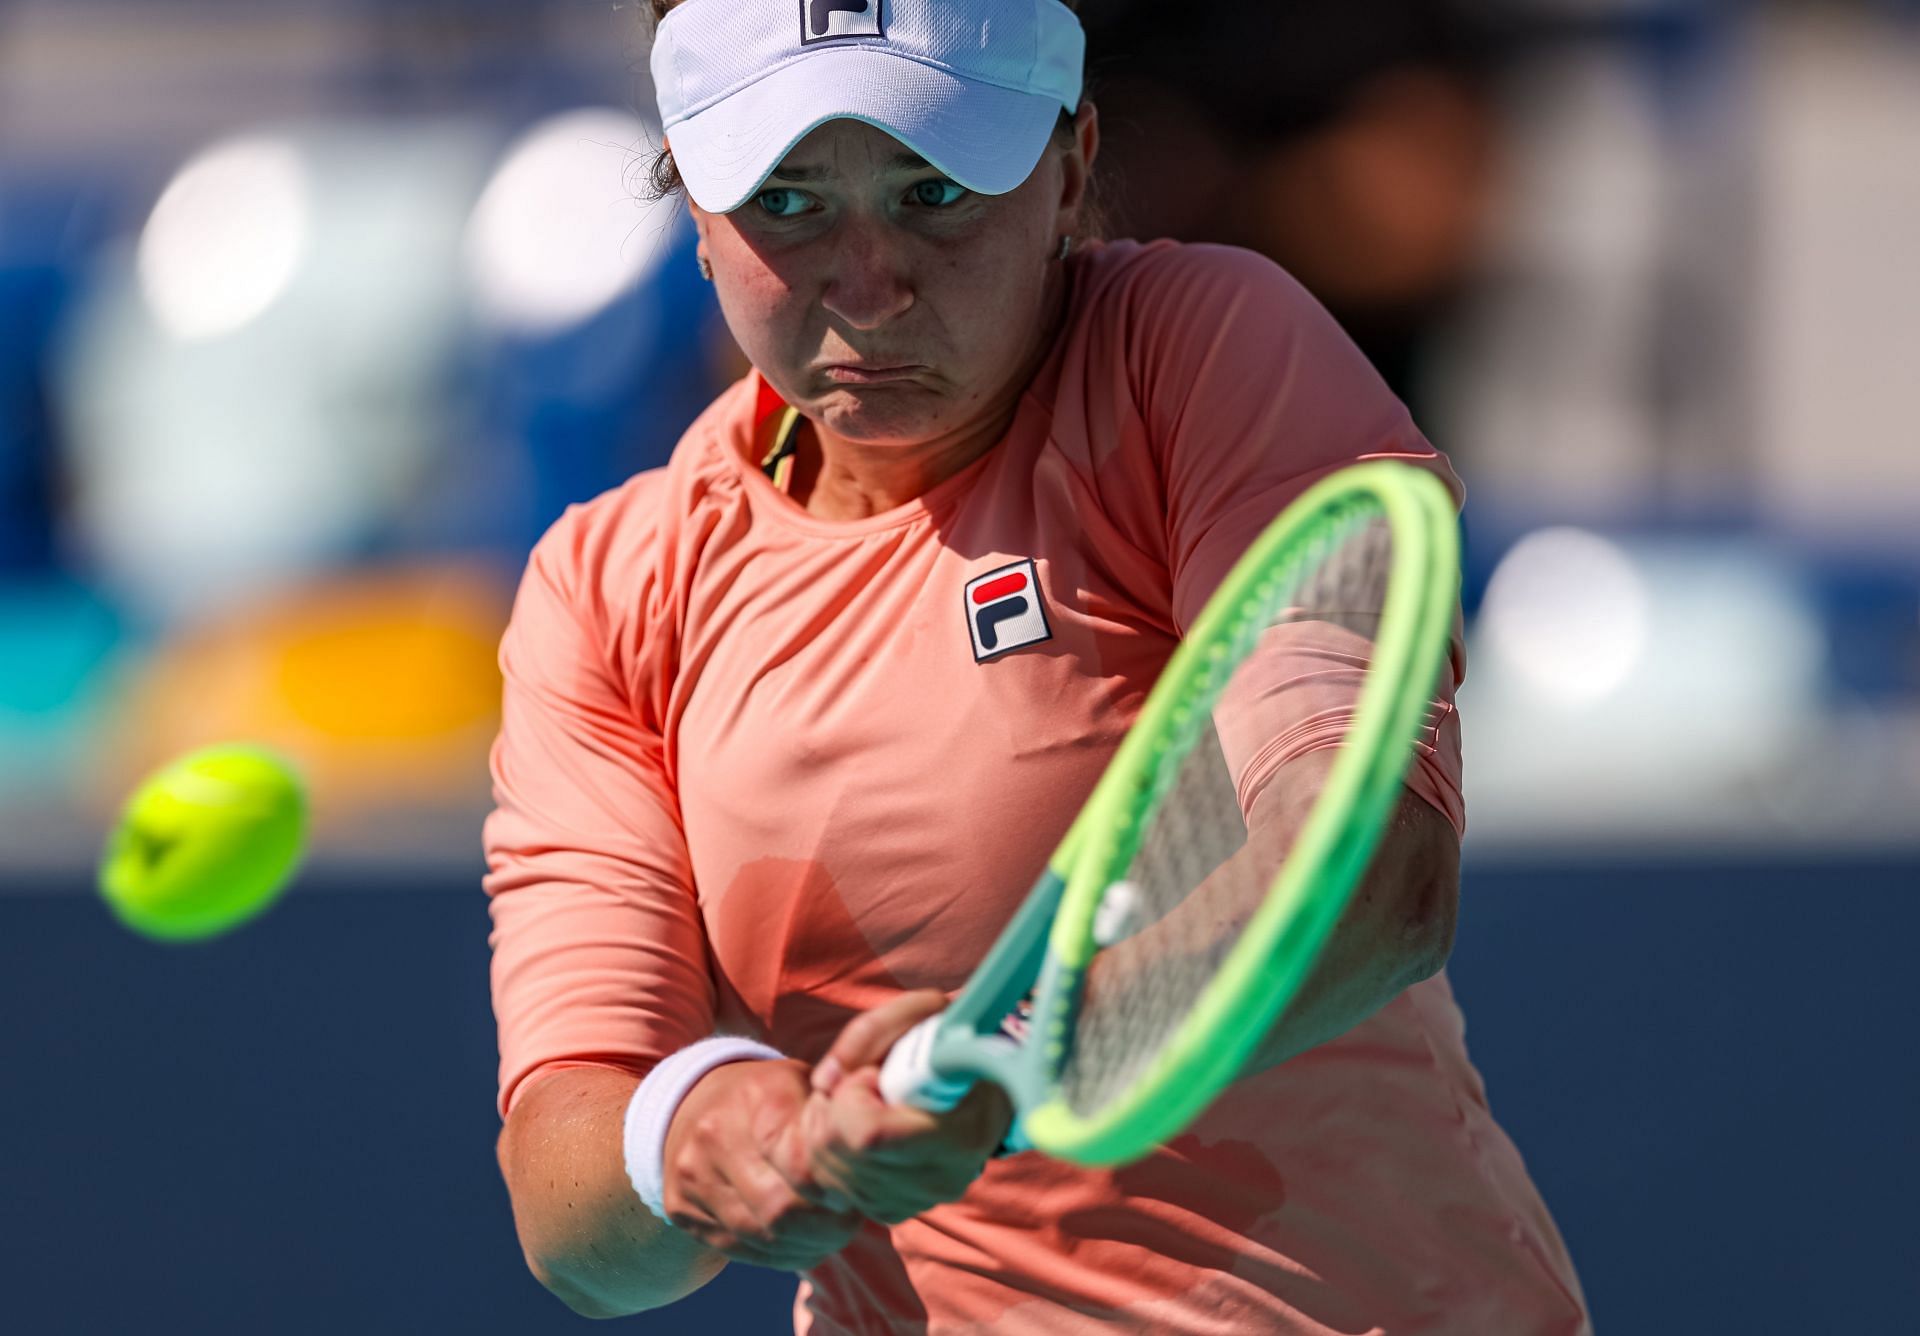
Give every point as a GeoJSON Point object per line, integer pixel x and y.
{"type": "Point", "coordinates": [585, 1232]}
{"type": "Point", "coordinates": [1396, 930]}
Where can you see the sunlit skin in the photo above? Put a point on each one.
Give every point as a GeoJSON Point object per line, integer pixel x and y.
{"type": "Point", "coordinates": [857, 255]}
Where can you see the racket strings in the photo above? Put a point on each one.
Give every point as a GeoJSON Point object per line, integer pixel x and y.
{"type": "Point", "coordinates": [1346, 579]}
{"type": "Point", "coordinates": [1168, 926]}
{"type": "Point", "coordinates": [1151, 970]}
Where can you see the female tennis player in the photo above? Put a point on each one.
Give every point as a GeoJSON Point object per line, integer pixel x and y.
{"type": "Point", "coordinates": [792, 723]}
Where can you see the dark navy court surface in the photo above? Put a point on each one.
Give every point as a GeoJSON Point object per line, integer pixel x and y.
{"type": "Point", "coordinates": [1710, 1067]}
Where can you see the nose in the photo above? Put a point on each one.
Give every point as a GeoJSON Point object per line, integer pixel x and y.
{"type": "Point", "coordinates": [869, 281]}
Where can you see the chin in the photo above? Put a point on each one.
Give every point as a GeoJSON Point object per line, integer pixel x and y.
{"type": "Point", "coordinates": [865, 415]}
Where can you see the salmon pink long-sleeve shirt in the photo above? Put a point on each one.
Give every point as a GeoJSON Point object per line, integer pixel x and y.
{"type": "Point", "coordinates": [759, 771]}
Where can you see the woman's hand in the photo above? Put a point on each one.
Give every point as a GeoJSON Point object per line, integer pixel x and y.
{"type": "Point", "coordinates": [891, 1163]}
{"type": "Point", "coordinates": [736, 1173]}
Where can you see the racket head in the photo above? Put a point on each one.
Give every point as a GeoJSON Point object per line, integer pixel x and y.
{"type": "Point", "coordinates": [1111, 1076]}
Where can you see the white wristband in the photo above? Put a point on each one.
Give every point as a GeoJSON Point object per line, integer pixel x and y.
{"type": "Point", "coordinates": [653, 1105]}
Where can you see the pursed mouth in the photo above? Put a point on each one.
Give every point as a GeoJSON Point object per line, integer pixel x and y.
{"type": "Point", "coordinates": [867, 374]}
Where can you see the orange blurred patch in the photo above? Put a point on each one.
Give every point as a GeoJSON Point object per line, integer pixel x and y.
{"type": "Point", "coordinates": [383, 686]}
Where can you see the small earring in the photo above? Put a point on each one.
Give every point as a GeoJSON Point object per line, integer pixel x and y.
{"type": "Point", "coordinates": [706, 268]}
{"type": "Point", "coordinates": [1066, 244]}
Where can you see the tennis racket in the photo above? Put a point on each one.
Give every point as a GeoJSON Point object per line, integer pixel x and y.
{"type": "Point", "coordinates": [1153, 954]}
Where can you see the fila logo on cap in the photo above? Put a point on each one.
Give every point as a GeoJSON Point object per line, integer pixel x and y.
{"type": "Point", "coordinates": [829, 20]}
{"type": "Point", "coordinates": [1004, 611]}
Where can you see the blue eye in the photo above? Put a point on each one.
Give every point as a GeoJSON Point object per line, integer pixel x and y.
{"type": "Point", "coordinates": [775, 202]}
{"type": "Point", "coordinates": [931, 193]}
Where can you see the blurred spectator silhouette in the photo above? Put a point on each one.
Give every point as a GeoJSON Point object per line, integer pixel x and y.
{"type": "Point", "coordinates": [1350, 140]}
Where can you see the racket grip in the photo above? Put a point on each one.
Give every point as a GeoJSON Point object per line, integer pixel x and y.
{"type": "Point", "coordinates": [907, 1076]}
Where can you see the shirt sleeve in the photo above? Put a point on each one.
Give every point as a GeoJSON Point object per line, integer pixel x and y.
{"type": "Point", "coordinates": [599, 957]}
{"type": "Point", "coordinates": [1251, 394]}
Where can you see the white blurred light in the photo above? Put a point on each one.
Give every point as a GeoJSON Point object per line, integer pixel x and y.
{"type": "Point", "coordinates": [1708, 734]}
{"type": "Point", "coordinates": [557, 235]}
{"type": "Point", "coordinates": [210, 471]}
{"type": "Point", "coordinates": [225, 238]}
{"type": "Point", "coordinates": [1568, 611]}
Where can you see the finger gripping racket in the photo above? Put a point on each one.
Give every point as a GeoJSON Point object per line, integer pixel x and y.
{"type": "Point", "coordinates": [1161, 944]}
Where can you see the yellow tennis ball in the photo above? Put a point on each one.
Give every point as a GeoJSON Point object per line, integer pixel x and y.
{"type": "Point", "coordinates": [205, 844]}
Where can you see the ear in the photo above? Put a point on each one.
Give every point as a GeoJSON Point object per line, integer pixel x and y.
{"type": "Point", "coordinates": [1086, 131]}
{"type": "Point", "coordinates": [1076, 166]}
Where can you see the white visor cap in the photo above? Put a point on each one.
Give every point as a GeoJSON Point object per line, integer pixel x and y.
{"type": "Point", "coordinates": [973, 86]}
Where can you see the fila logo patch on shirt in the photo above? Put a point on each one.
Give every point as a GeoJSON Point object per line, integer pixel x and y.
{"type": "Point", "coordinates": [830, 20]}
{"type": "Point", "coordinates": [1004, 610]}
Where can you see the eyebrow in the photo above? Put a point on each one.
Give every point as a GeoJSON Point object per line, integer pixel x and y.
{"type": "Point", "coordinates": [900, 162]}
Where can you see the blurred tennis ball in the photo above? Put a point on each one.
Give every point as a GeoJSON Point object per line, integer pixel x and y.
{"type": "Point", "coordinates": [205, 844]}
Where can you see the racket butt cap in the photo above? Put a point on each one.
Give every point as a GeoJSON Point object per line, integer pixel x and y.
{"type": "Point", "coordinates": [907, 1076]}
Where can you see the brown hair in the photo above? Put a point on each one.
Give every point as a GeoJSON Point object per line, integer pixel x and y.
{"type": "Point", "coordinates": [663, 178]}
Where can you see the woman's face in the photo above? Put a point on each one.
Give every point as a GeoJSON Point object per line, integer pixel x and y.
{"type": "Point", "coordinates": [883, 301]}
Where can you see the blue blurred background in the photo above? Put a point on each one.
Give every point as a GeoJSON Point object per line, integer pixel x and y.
{"type": "Point", "coordinates": [314, 314]}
